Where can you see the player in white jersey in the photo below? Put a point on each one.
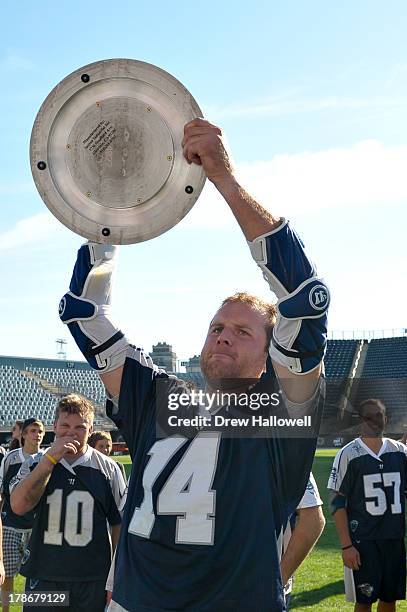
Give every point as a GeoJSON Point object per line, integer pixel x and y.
{"type": "Point", "coordinates": [2, 453]}
{"type": "Point", "coordinates": [17, 529]}
{"type": "Point", "coordinates": [368, 485]}
{"type": "Point", "coordinates": [2, 573]}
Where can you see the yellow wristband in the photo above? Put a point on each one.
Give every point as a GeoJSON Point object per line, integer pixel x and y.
{"type": "Point", "coordinates": [51, 458]}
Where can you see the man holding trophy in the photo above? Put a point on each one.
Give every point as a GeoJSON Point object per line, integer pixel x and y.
{"type": "Point", "coordinates": [205, 512]}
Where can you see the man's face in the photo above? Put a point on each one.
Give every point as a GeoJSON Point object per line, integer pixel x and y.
{"type": "Point", "coordinates": [73, 426]}
{"type": "Point", "coordinates": [235, 346]}
{"type": "Point", "coordinates": [34, 434]}
{"type": "Point", "coordinates": [373, 421]}
{"type": "Point", "coordinates": [104, 446]}
{"type": "Point", "coordinates": [16, 432]}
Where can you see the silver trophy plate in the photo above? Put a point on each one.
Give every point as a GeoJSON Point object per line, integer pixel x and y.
{"type": "Point", "coordinates": [106, 152]}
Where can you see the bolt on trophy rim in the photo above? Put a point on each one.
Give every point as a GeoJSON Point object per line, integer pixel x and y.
{"type": "Point", "coordinates": [106, 152]}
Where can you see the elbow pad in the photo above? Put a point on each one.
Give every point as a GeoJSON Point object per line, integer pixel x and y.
{"type": "Point", "coordinates": [300, 333]}
{"type": "Point", "coordinates": [336, 502]}
{"type": "Point", "coordinates": [86, 308]}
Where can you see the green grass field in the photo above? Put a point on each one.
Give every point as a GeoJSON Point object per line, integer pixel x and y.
{"type": "Point", "coordinates": [318, 583]}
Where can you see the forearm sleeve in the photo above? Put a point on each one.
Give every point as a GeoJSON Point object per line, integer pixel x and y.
{"type": "Point", "coordinates": [300, 333]}
{"type": "Point", "coordinates": [85, 308]}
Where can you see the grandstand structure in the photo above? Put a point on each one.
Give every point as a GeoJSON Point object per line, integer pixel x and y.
{"type": "Point", "coordinates": [360, 369]}
{"type": "Point", "coordinates": [32, 387]}
{"type": "Point", "coordinates": [384, 375]}
{"type": "Point", "coordinates": [355, 369]}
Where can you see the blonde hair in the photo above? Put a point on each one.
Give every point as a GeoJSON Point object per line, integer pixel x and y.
{"type": "Point", "coordinates": [76, 404]}
{"type": "Point", "coordinates": [255, 303]}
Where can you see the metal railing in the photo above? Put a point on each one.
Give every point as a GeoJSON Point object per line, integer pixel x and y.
{"type": "Point", "coordinates": [369, 334]}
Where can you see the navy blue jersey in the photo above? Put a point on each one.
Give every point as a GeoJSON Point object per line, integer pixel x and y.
{"type": "Point", "coordinates": [70, 539]}
{"type": "Point", "coordinates": [204, 514]}
{"type": "Point", "coordinates": [9, 468]}
{"type": "Point", "coordinates": [374, 487]}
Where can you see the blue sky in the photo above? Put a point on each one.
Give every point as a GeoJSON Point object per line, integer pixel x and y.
{"type": "Point", "coordinates": [312, 97]}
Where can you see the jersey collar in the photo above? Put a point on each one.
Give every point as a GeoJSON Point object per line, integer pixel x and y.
{"type": "Point", "coordinates": [69, 466]}
{"type": "Point", "coordinates": [369, 450]}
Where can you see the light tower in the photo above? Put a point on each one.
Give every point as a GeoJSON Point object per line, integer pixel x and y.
{"type": "Point", "coordinates": [61, 353]}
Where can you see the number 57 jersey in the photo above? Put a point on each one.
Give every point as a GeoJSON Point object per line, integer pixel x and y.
{"type": "Point", "coordinates": [374, 487]}
{"type": "Point", "coordinates": [70, 539]}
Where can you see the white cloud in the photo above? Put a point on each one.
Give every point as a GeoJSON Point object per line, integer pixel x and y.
{"type": "Point", "coordinates": [279, 105]}
{"type": "Point", "coordinates": [17, 188]}
{"type": "Point", "coordinates": [210, 211]}
{"type": "Point", "coordinates": [367, 174]}
{"type": "Point", "coordinates": [38, 229]}
{"type": "Point", "coordinates": [398, 75]}
{"type": "Point", "coordinates": [15, 61]}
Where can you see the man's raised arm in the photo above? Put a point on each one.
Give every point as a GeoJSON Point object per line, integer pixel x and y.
{"type": "Point", "coordinates": [299, 336]}
{"type": "Point", "coordinates": [86, 311]}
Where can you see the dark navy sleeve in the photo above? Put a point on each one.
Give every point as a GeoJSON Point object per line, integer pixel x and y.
{"type": "Point", "coordinates": [118, 491]}
{"type": "Point", "coordinates": [144, 388]}
{"type": "Point", "coordinates": [113, 515]}
{"type": "Point", "coordinates": [292, 457]}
